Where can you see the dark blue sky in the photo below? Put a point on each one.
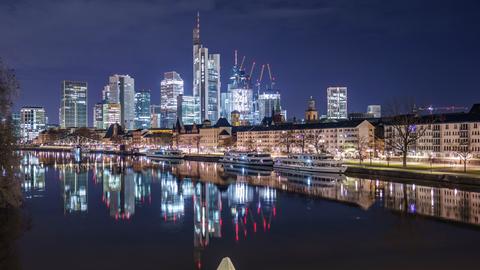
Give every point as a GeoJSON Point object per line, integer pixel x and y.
{"type": "Point", "coordinates": [428, 50]}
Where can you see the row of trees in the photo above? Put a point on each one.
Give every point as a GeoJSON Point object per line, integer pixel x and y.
{"type": "Point", "coordinates": [408, 128]}
{"type": "Point", "coordinates": [10, 193]}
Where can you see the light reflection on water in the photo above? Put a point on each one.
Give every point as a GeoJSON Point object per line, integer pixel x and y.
{"type": "Point", "coordinates": [250, 195]}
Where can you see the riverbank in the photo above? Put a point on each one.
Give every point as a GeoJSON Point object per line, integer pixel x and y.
{"type": "Point", "coordinates": [410, 175]}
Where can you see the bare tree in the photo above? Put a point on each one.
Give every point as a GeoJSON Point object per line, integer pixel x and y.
{"type": "Point", "coordinates": [287, 139]}
{"type": "Point", "coordinates": [362, 146]}
{"type": "Point", "coordinates": [197, 140]}
{"type": "Point", "coordinates": [464, 151]}
{"type": "Point", "coordinates": [301, 140]}
{"type": "Point", "coordinates": [316, 139]}
{"type": "Point", "coordinates": [249, 144]}
{"type": "Point", "coordinates": [404, 129]}
{"type": "Point", "coordinates": [10, 193]}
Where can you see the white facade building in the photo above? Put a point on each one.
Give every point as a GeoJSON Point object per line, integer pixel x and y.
{"type": "Point", "coordinates": [375, 110]}
{"type": "Point", "coordinates": [337, 103]}
{"type": "Point", "coordinates": [32, 122]}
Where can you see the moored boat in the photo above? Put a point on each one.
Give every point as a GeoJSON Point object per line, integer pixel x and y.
{"type": "Point", "coordinates": [166, 154]}
{"type": "Point", "coordinates": [247, 159]}
{"type": "Point", "coordinates": [311, 163]}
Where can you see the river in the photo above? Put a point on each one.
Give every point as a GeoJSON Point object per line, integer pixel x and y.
{"type": "Point", "coordinates": [109, 212]}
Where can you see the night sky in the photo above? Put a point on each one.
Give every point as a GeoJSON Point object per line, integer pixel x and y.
{"type": "Point", "coordinates": [429, 50]}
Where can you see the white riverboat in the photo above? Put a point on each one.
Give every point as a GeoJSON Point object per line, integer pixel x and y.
{"type": "Point", "coordinates": [247, 159]}
{"type": "Point", "coordinates": [165, 154]}
{"type": "Point", "coordinates": [312, 163]}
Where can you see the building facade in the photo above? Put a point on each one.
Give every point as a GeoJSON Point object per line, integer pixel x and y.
{"type": "Point", "coordinates": [142, 109]}
{"type": "Point", "coordinates": [188, 109]}
{"type": "Point", "coordinates": [267, 102]}
{"type": "Point", "coordinates": [156, 116]}
{"type": "Point", "coordinates": [122, 90]}
{"type": "Point", "coordinates": [170, 88]}
{"type": "Point", "coordinates": [337, 103]}
{"type": "Point", "coordinates": [98, 116]}
{"type": "Point", "coordinates": [73, 108]}
{"type": "Point", "coordinates": [32, 122]}
{"type": "Point", "coordinates": [443, 135]}
{"type": "Point", "coordinates": [338, 138]}
{"type": "Point", "coordinates": [375, 110]}
{"type": "Point", "coordinates": [111, 114]}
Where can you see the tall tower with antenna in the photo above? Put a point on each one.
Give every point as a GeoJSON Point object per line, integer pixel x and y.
{"type": "Point", "coordinates": [206, 77]}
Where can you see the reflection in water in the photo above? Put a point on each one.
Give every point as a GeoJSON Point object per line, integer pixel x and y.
{"type": "Point", "coordinates": [225, 196]}
{"type": "Point", "coordinates": [75, 186]}
{"type": "Point", "coordinates": [34, 176]}
{"type": "Point", "coordinates": [172, 203]}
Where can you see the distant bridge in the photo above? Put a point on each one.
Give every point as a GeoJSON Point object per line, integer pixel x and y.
{"type": "Point", "coordinates": [76, 140]}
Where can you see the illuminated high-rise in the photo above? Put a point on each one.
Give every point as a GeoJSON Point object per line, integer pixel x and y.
{"type": "Point", "coordinates": [156, 116]}
{"type": "Point", "coordinates": [98, 116]}
{"type": "Point", "coordinates": [239, 96]}
{"type": "Point", "coordinates": [206, 78]}
{"type": "Point", "coordinates": [73, 108]}
{"type": "Point", "coordinates": [170, 88]}
{"type": "Point", "coordinates": [337, 103]}
{"type": "Point", "coordinates": [32, 122]}
{"type": "Point", "coordinates": [267, 102]}
{"type": "Point", "coordinates": [122, 90]}
{"type": "Point", "coordinates": [188, 109]}
{"type": "Point", "coordinates": [142, 109]}
{"type": "Point", "coordinates": [375, 110]}
{"type": "Point", "coordinates": [111, 114]}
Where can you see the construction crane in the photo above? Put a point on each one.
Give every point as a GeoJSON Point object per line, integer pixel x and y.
{"type": "Point", "coordinates": [243, 60]}
{"type": "Point", "coordinates": [251, 70]}
{"type": "Point", "coordinates": [430, 109]}
{"type": "Point", "coordinates": [261, 74]}
{"type": "Point", "coordinates": [259, 80]}
{"type": "Point", "coordinates": [272, 79]}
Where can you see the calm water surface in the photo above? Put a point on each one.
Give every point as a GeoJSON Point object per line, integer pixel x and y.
{"type": "Point", "coordinates": [106, 212]}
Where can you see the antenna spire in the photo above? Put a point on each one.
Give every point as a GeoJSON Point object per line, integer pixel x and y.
{"type": "Point", "coordinates": [196, 31]}
{"type": "Point", "coordinates": [198, 21]}
{"type": "Point", "coordinates": [236, 62]}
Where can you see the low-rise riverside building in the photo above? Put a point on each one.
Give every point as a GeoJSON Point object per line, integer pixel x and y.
{"type": "Point", "coordinates": [347, 138]}
{"type": "Point", "coordinates": [204, 138]}
{"type": "Point", "coordinates": [443, 135]}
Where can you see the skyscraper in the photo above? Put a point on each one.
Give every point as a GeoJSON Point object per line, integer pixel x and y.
{"type": "Point", "coordinates": [206, 77]}
{"type": "Point", "coordinates": [111, 114]}
{"type": "Point", "coordinates": [32, 121]}
{"type": "Point", "coordinates": [337, 103]}
{"type": "Point", "coordinates": [375, 110]}
{"type": "Point", "coordinates": [142, 109]}
{"type": "Point", "coordinates": [170, 88]}
{"type": "Point", "coordinates": [189, 109]}
{"type": "Point", "coordinates": [122, 90]}
{"type": "Point", "coordinates": [98, 116]}
{"type": "Point", "coordinates": [267, 102]}
{"type": "Point", "coordinates": [156, 116]}
{"type": "Point", "coordinates": [239, 96]}
{"type": "Point", "coordinates": [73, 108]}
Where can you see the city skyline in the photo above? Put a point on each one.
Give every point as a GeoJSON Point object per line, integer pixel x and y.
{"type": "Point", "coordinates": [369, 69]}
